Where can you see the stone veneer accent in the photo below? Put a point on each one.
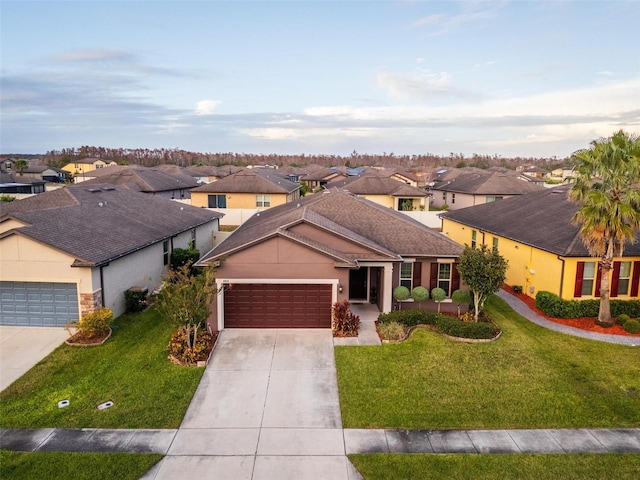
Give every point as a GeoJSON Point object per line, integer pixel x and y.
{"type": "Point", "coordinates": [90, 302]}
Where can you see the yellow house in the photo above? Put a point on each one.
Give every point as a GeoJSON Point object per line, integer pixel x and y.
{"type": "Point", "coordinates": [247, 189]}
{"type": "Point", "coordinates": [78, 167]}
{"type": "Point", "coordinates": [385, 191]}
{"type": "Point", "coordinates": [545, 253]}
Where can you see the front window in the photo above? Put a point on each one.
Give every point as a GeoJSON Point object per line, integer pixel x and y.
{"type": "Point", "coordinates": [406, 275]}
{"type": "Point", "coordinates": [623, 279]}
{"type": "Point", "coordinates": [99, 165]}
{"type": "Point", "coordinates": [263, 201]}
{"type": "Point", "coordinates": [493, 198]}
{"type": "Point", "coordinates": [495, 243]}
{"type": "Point", "coordinates": [444, 277]}
{"type": "Point", "coordinates": [453, 198]}
{"type": "Point", "coordinates": [193, 238]}
{"type": "Point", "coordinates": [588, 278]}
{"type": "Point", "coordinates": [474, 238]}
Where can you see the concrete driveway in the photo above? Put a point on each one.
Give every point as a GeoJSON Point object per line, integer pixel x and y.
{"type": "Point", "coordinates": [22, 347]}
{"type": "Point", "coordinates": [267, 407]}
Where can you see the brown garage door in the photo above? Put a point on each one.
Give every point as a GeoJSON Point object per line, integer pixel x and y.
{"type": "Point", "coordinates": [277, 306]}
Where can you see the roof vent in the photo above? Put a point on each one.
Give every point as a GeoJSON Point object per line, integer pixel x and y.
{"type": "Point", "coordinates": [557, 191]}
{"type": "Point", "coordinates": [109, 189]}
{"type": "Point", "coordinates": [94, 190]}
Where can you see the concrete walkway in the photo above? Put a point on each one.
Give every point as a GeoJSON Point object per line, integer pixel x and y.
{"type": "Point", "coordinates": [522, 308]}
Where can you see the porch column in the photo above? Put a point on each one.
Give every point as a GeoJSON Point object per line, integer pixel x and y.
{"type": "Point", "coordinates": [387, 282]}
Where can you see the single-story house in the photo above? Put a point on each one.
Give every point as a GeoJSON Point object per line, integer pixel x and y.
{"type": "Point", "coordinates": [247, 189]}
{"type": "Point", "coordinates": [466, 187]}
{"type": "Point", "coordinates": [535, 234]}
{"type": "Point", "coordinates": [152, 181]}
{"type": "Point", "coordinates": [85, 165]}
{"type": "Point", "coordinates": [385, 191]}
{"type": "Point", "coordinates": [69, 252]}
{"type": "Point", "coordinates": [286, 266]}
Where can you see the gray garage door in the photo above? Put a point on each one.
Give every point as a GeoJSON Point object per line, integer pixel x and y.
{"type": "Point", "coordinates": [38, 303]}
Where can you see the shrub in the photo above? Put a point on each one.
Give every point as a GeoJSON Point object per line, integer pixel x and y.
{"type": "Point", "coordinates": [183, 256]}
{"type": "Point", "coordinates": [554, 306]}
{"type": "Point", "coordinates": [135, 299]}
{"type": "Point", "coordinates": [401, 293]}
{"type": "Point", "coordinates": [187, 351]}
{"type": "Point", "coordinates": [632, 326]}
{"type": "Point", "coordinates": [95, 324]}
{"type": "Point", "coordinates": [457, 328]}
{"type": "Point", "coordinates": [344, 323]}
{"type": "Point", "coordinates": [393, 331]}
{"type": "Point", "coordinates": [517, 288]}
{"type": "Point", "coordinates": [420, 294]}
{"type": "Point", "coordinates": [622, 319]}
{"type": "Point", "coordinates": [409, 318]}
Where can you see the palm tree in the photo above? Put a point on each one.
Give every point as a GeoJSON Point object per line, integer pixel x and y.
{"type": "Point", "coordinates": [21, 165]}
{"type": "Point", "coordinates": [607, 188]}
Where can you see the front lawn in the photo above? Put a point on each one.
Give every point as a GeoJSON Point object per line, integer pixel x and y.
{"type": "Point", "coordinates": [79, 466]}
{"type": "Point", "coordinates": [530, 378]}
{"type": "Point", "coordinates": [131, 370]}
{"type": "Point", "coordinates": [489, 467]}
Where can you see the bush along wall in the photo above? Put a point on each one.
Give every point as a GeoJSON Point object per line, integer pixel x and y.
{"type": "Point", "coordinates": [556, 307]}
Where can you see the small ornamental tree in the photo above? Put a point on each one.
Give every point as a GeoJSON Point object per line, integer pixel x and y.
{"type": "Point", "coordinates": [438, 294]}
{"type": "Point", "coordinates": [459, 297]}
{"type": "Point", "coordinates": [420, 294]}
{"type": "Point", "coordinates": [184, 300]}
{"type": "Point", "coordinates": [401, 293]}
{"type": "Point", "coordinates": [484, 271]}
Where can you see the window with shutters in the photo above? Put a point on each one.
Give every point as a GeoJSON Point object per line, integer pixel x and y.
{"type": "Point", "coordinates": [444, 277]}
{"type": "Point", "coordinates": [624, 278]}
{"type": "Point", "coordinates": [588, 278]}
{"type": "Point", "coordinates": [406, 275]}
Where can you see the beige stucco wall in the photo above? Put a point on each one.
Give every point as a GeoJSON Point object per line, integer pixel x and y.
{"type": "Point", "coordinates": [384, 200]}
{"type": "Point", "coordinates": [9, 224]}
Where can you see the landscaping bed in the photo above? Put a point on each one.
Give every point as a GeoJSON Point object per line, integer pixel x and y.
{"type": "Point", "coordinates": [583, 323]}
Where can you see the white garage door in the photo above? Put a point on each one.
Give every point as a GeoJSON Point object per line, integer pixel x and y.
{"type": "Point", "coordinates": [38, 304]}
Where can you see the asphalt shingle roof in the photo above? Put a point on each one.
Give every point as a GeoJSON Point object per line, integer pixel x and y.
{"type": "Point", "coordinates": [250, 181]}
{"type": "Point", "coordinates": [100, 223]}
{"type": "Point", "coordinates": [374, 184]}
{"type": "Point", "coordinates": [486, 183]}
{"type": "Point", "coordinates": [142, 179]}
{"type": "Point", "coordinates": [386, 233]}
{"type": "Point", "coordinates": [540, 219]}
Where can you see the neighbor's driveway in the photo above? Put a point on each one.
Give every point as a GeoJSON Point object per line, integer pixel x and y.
{"type": "Point", "coordinates": [22, 347]}
{"type": "Point", "coordinates": [267, 407]}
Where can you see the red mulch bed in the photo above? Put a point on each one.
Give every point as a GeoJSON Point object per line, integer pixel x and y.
{"type": "Point", "coordinates": [584, 323]}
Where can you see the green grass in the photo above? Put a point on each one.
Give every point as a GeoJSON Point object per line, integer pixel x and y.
{"type": "Point", "coordinates": [490, 467]}
{"type": "Point", "coordinates": [530, 378]}
{"type": "Point", "coordinates": [78, 466]}
{"type": "Point", "coordinates": [131, 369]}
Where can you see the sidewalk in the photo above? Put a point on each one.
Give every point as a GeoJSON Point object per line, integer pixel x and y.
{"type": "Point", "coordinates": [580, 440]}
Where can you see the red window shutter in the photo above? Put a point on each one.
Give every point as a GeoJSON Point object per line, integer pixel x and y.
{"type": "Point", "coordinates": [455, 278]}
{"type": "Point", "coordinates": [635, 279]}
{"type": "Point", "coordinates": [417, 274]}
{"type": "Point", "coordinates": [598, 280]}
{"type": "Point", "coordinates": [433, 279]}
{"type": "Point", "coordinates": [577, 291]}
{"type": "Point", "coordinates": [614, 279]}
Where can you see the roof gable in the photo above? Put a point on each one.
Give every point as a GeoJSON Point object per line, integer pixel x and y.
{"type": "Point", "coordinates": [250, 181]}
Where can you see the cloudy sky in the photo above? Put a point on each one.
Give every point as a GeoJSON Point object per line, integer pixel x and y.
{"type": "Point", "coordinates": [539, 78]}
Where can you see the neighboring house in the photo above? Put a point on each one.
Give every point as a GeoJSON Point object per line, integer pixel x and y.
{"type": "Point", "coordinates": [20, 186]}
{"type": "Point", "coordinates": [467, 187]}
{"type": "Point", "coordinates": [46, 173]}
{"type": "Point", "coordinates": [318, 177]}
{"type": "Point", "coordinates": [152, 181]}
{"type": "Point", "coordinates": [247, 189]}
{"type": "Point", "coordinates": [535, 234]}
{"type": "Point", "coordinates": [208, 174]}
{"type": "Point", "coordinates": [85, 165]}
{"type": "Point", "coordinates": [562, 173]}
{"type": "Point", "coordinates": [385, 191]}
{"type": "Point", "coordinates": [71, 251]}
{"type": "Point", "coordinates": [532, 171]}
{"type": "Point", "coordinates": [286, 266]}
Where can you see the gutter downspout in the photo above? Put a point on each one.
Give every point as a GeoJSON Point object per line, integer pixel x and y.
{"type": "Point", "coordinates": [561, 276]}
{"type": "Point", "coordinates": [102, 284]}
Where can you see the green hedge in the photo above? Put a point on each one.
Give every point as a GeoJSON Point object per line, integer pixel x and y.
{"type": "Point", "coordinates": [449, 325]}
{"type": "Point", "coordinates": [556, 307]}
